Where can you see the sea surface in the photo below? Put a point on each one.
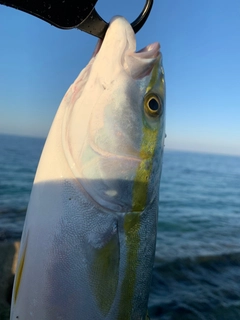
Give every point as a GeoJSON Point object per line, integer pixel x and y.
{"type": "Point", "coordinates": [197, 268]}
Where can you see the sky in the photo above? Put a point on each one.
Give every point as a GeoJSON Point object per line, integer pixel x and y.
{"type": "Point", "coordinates": [200, 44]}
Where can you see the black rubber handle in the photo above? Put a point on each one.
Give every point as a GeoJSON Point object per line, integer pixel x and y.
{"type": "Point", "coordinates": [68, 14]}
{"type": "Point", "coordinates": [64, 14]}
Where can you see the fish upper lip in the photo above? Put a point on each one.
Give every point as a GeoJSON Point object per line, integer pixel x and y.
{"type": "Point", "coordinates": [149, 52]}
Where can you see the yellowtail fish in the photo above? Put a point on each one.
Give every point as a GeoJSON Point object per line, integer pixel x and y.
{"type": "Point", "coordinates": [88, 244]}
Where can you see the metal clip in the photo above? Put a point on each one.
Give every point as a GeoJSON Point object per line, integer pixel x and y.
{"type": "Point", "coordinates": [96, 26]}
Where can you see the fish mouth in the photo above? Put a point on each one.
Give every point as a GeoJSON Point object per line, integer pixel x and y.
{"type": "Point", "coordinates": [151, 51]}
{"type": "Point", "coordinates": [121, 34]}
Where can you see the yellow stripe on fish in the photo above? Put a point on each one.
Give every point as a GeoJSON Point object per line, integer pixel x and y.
{"type": "Point", "coordinates": [19, 272]}
{"type": "Point", "coordinates": [140, 190]}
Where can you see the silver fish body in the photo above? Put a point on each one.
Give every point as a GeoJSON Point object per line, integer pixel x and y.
{"type": "Point", "coordinates": [88, 244]}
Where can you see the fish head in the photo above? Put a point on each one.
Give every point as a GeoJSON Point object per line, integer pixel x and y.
{"type": "Point", "coordinates": [114, 126]}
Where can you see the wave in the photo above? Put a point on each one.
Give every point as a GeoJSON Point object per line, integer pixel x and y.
{"type": "Point", "coordinates": [202, 260]}
{"type": "Point", "coordinates": [199, 288]}
{"type": "Point", "coordinates": [11, 223]}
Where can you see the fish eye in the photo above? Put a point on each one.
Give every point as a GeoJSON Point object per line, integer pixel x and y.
{"type": "Point", "coordinates": [152, 105]}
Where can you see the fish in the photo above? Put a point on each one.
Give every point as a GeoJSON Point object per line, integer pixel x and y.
{"type": "Point", "coordinates": [88, 243]}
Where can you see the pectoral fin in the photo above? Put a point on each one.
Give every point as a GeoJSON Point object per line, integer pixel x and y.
{"type": "Point", "coordinates": [104, 272]}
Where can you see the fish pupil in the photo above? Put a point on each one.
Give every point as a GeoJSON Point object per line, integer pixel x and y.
{"type": "Point", "coordinates": [153, 104]}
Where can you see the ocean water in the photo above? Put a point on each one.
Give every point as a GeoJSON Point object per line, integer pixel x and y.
{"type": "Point", "coordinates": [197, 268]}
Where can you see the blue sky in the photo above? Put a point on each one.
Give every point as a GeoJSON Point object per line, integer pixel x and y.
{"type": "Point", "coordinates": [200, 42]}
